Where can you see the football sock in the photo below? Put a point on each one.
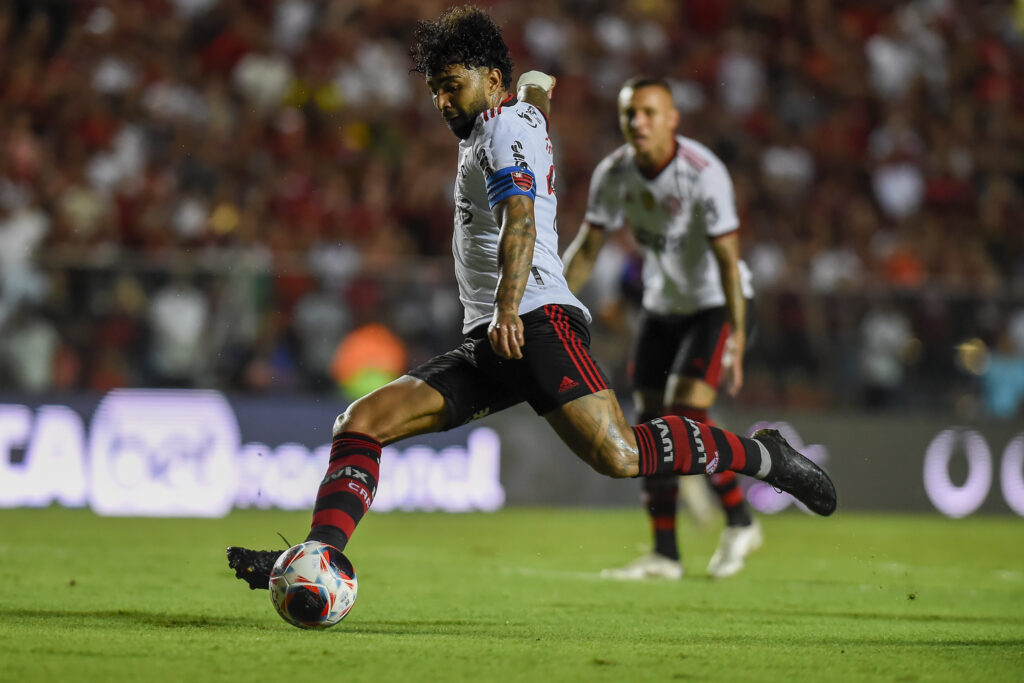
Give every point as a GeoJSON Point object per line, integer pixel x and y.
{"type": "Point", "coordinates": [661, 494]}
{"type": "Point", "coordinates": [347, 489]}
{"type": "Point", "coordinates": [730, 494]}
{"type": "Point", "coordinates": [724, 484]}
{"type": "Point", "coordinates": [677, 444]}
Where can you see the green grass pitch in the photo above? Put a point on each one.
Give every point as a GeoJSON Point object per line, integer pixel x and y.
{"type": "Point", "coordinates": [516, 596]}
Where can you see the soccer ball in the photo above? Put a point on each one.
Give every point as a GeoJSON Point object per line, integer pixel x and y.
{"type": "Point", "coordinates": [313, 585]}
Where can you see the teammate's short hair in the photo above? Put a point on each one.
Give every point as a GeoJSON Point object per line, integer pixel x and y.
{"type": "Point", "coordinates": [644, 81]}
{"type": "Point", "coordinates": [462, 35]}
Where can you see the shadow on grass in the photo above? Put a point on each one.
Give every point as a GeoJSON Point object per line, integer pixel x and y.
{"type": "Point", "coordinates": [477, 628]}
{"type": "Point", "coordinates": [134, 617]}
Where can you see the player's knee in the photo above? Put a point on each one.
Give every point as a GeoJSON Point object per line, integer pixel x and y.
{"type": "Point", "coordinates": [357, 418]}
{"type": "Point", "coordinates": [615, 463]}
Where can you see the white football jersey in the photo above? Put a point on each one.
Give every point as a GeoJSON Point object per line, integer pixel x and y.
{"type": "Point", "coordinates": [511, 136]}
{"type": "Point", "coordinates": [672, 216]}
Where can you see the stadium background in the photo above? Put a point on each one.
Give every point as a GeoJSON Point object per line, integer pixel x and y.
{"type": "Point", "coordinates": [254, 198]}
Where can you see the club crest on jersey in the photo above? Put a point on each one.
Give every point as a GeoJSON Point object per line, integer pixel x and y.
{"type": "Point", "coordinates": [523, 180]}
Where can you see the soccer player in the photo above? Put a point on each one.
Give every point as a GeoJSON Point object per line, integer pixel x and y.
{"type": "Point", "coordinates": [526, 335]}
{"type": "Point", "coordinates": [676, 196]}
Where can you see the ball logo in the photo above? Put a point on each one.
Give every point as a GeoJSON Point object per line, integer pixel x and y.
{"type": "Point", "coordinates": [155, 453]}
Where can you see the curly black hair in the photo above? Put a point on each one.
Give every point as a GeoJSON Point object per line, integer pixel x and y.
{"type": "Point", "coordinates": [462, 35]}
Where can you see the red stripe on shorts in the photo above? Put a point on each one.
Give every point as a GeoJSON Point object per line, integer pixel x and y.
{"type": "Point", "coordinates": [561, 328]}
{"type": "Point", "coordinates": [714, 374]}
{"type": "Point", "coordinates": [582, 352]}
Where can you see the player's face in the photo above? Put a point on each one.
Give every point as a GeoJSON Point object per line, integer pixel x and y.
{"type": "Point", "coordinates": [648, 119]}
{"type": "Point", "coordinates": [460, 94]}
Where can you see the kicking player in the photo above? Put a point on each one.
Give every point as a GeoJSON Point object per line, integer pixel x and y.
{"type": "Point", "coordinates": [676, 196]}
{"type": "Point", "coordinates": [525, 333]}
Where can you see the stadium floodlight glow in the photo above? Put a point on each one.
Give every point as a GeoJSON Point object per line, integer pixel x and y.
{"type": "Point", "coordinates": [948, 498]}
{"type": "Point", "coordinates": [1011, 474]}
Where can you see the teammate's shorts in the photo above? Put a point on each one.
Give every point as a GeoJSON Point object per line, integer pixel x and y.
{"type": "Point", "coordinates": [556, 368]}
{"type": "Point", "coordinates": [690, 345]}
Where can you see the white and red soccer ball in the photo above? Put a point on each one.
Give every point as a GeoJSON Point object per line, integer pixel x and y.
{"type": "Point", "coordinates": [313, 585]}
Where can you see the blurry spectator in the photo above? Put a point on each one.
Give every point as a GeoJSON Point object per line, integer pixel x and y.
{"type": "Point", "coordinates": [21, 233]}
{"type": "Point", "coordinates": [1000, 371]}
{"type": "Point", "coordinates": [178, 318]}
{"type": "Point", "coordinates": [56, 13]}
{"type": "Point", "coordinates": [28, 348]}
{"type": "Point", "coordinates": [741, 76]}
{"type": "Point", "coordinates": [321, 321]}
{"type": "Point", "coordinates": [885, 335]}
{"type": "Point", "coordinates": [892, 61]}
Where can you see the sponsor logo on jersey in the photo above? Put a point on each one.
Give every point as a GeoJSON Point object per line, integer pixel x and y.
{"type": "Point", "coordinates": [484, 162]}
{"type": "Point", "coordinates": [713, 465]}
{"type": "Point", "coordinates": [518, 156]}
{"type": "Point", "coordinates": [527, 116]}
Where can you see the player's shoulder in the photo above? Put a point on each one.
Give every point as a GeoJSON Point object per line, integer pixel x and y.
{"type": "Point", "coordinates": [511, 117]}
{"type": "Point", "coordinates": [697, 155]}
{"type": "Point", "coordinates": [617, 163]}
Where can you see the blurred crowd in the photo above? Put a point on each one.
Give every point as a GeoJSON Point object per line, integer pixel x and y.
{"type": "Point", "coordinates": [221, 193]}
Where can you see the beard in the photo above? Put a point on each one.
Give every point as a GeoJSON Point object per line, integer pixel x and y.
{"type": "Point", "coordinates": [462, 125]}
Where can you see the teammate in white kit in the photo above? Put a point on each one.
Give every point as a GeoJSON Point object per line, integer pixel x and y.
{"type": "Point", "coordinates": [677, 198]}
{"type": "Point", "coordinates": [526, 334]}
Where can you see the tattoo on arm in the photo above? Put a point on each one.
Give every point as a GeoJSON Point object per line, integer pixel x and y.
{"type": "Point", "coordinates": [515, 250]}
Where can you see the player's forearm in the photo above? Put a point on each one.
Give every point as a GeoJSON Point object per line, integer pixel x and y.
{"type": "Point", "coordinates": [735, 302]}
{"type": "Point", "coordinates": [580, 256]}
{"type": "Point", "coordinates": [515, 254]}
{"type": "Point", "coordinates": [578, 265]}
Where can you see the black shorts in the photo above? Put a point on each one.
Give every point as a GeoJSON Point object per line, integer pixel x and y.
{"type": "Point", "coordinates": [688, 345]}
{"type": "Point", "coordinates": [556, 368]}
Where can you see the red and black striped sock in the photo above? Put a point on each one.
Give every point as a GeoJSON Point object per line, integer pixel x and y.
{"type": "Point", "coordinates": [347, 489]}
{"type": "Point", "coordinates": [678, 444]}
{"type": "Point", "coordinates": [727, 487]}
{"type": "Point", "coordinates": [724, 484]}
{"type": "Point", "coordinates": [661, 495]}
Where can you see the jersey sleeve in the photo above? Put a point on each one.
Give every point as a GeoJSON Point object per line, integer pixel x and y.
{"type": "Point", "coordinates": [718, 200]}
{"type": "Point", "coordinates": [505, 151]}
{"type": "Point", "coordinates": [604, 202]}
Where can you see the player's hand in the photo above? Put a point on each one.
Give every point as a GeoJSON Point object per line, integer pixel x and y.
{"type": "Point", "coordinates": [506, 335]}
{"type": "Point", "coordinates": [735, 347]}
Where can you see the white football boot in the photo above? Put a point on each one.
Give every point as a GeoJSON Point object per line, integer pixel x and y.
{"type": "Point", "coordinates": [734, 545]}
{"type": "Point", "coordinates": [650, 566]}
